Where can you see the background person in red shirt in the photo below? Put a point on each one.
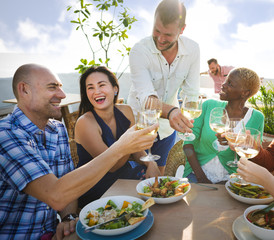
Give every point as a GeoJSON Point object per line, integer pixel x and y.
{"type": "Point", "coordinates": [217, 73]}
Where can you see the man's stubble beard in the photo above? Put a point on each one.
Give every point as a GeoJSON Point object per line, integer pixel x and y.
{"type": "Point", "coordinates": [167, 48]}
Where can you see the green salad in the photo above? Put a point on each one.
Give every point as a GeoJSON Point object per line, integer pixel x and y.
{"type": "Point", "coordinates": [111, 211]}
{"type": "Point", "coordinates": [164, 188]}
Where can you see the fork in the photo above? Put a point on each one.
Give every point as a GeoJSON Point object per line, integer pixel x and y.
{"type": "Point", "coordinates": [125, 216]}
{"type": "Point", "coordinates": [264, 210]}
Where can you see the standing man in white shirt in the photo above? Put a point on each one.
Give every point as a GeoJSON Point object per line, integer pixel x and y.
{"type": "Point", "coordinates": [162, 64]}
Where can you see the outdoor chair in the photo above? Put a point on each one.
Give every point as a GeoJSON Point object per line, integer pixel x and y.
{"type": "Point", "coordinates": [73, 151]}
{"type": "Point", "coordinates": [71, 120]}
{"type": "Point", "coordinates": [175, 158]}
{"type": "Point", "coordinates": [70, 123]}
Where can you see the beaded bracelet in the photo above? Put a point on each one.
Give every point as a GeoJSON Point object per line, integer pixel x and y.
{"type": "Point", "coordinates": [171, 111]}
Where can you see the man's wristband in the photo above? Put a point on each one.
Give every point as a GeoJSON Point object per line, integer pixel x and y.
{"type": "Point", "coordinates": [170, 112]}
{"type": "Point", "coordinates": [70, 217]}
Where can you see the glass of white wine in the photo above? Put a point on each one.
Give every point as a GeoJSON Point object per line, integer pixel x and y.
{"type": "Point", "coordinates": [235, 127]}
{"type": "Point", "coordinates": [218, 122]}
{"type": "Point", "coordinates": [191, 108]}
{"type": "Point", "coordinates": [150, 114]}
{"type": "Point", "coordinates": [247, 145]}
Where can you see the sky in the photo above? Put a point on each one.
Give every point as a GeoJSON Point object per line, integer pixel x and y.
{"type": "Point", "coordinates": [236, 32]}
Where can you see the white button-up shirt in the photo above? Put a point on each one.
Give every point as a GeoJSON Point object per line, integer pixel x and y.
{"type": "Point", "coordinates": [152, 75]}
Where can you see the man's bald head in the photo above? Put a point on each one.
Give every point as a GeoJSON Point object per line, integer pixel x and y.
{"type": "Point", "coordinates": [24, 74]}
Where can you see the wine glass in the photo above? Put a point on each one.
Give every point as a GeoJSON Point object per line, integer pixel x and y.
{"type": "Point", "coordinates": [191, 108]}
{"type": "Point", "coordinates": [218, 122]}
{"type": "Point", "coordinates": [247, 145]}
{"type": "Point", "coordinates": [235, 126]}
{"type": "Point", "coordinates": [150, 114]}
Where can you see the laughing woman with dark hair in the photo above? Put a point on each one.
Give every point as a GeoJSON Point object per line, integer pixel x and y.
{"type": "Point", "coordinates": [101, 123]}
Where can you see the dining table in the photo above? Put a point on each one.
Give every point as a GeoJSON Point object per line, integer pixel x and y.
{"type": "Point", "coordinates": [71, 98]}
{"type": "Point", "coordinates": [203, 213]}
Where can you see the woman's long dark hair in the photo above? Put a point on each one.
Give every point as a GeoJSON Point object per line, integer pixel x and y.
{"type": "Point", "coordinates": [85, 104]}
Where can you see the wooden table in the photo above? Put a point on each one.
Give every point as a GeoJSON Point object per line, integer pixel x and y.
{"type": "Point", "coordinates": [202, 214]}
{"type": "Point", "coordinates": [70, 99]}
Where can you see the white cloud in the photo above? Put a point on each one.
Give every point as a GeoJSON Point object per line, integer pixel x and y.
{"type": "Point", "coordinates": [63, 16]}
{"type": "Point", "coordinates": [28, 30]}
{"type": "Point", "coordinates": [254, 47]}
{"type": "Point", "coordinates": [249, 46]}
{"type": "Point", "coordinates": [45, 38]}
{"type": "Point", "coordinates": [203, 24]}
{"type": "Point", "coordinates": [64, 51]}
{"type": "Point", "coordinates": [3, 47]}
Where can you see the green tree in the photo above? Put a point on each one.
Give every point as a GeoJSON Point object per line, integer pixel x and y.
{"type": "Point", "coordinates": [264, 102]}
{"type": "Point", "coordinates": [104, 32]}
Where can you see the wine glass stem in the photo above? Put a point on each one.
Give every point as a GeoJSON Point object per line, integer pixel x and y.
{"type": "Point", "coordinates": [235, 158]}
{"type": "Point", "coordinates": [241, 178]}
{"type": "Point", "coordinates": [149, 152]}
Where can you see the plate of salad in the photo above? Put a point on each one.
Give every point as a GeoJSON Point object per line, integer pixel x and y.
{"type": "Point", "coordinates": [164, 189]}
{"type": "Point", "coordinates": [250, 193]}
{"type": "Point", "coordinates": [111, 208]}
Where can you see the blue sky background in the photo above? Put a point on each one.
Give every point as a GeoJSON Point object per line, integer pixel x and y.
{"type": "Point", "coordinates": [236, 32]}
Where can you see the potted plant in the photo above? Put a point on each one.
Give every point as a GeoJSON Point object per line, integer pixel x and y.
{"type": "Point", "coordinates": [264, 102]}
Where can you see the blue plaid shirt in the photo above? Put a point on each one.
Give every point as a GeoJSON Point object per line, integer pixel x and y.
{"type": "Point", "coordinates": [24, 157]}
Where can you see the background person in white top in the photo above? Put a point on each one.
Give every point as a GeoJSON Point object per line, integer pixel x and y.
{"type": "Point", "coordinates": [162, 64]}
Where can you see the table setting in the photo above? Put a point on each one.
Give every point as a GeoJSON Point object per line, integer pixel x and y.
{"type": "Point", "coordinates": [183, 188]}
{"type": "Point", "coordinates": [253, 194]}
{"type": "Point", "coordinates": [85, 230]}
{"type": "Point", "coordinates": [198, 212]}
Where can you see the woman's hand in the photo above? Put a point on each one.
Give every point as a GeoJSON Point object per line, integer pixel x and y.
{"type": "Point", "coordinates": [221, 138]}
{"type": "Point", "coordinates": [251, 172]}
{"type": "Point", "coordinates": [152, 169]}
{"type": "Point", "coordinates": [134, 140]}
{"type": "Point", "coordinates": [229, 144]}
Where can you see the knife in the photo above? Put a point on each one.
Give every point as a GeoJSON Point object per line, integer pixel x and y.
{"type": "Point", "coordinates": [214, 188]}
{"type": "Point", "coordinates": [125, 216]}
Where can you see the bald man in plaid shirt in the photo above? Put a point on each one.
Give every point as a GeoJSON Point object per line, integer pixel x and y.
{"type": "Point", "coordinates": [36, 171]}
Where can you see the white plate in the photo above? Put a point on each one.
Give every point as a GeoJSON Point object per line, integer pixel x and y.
{"type": "Point", "coordinates": [241, 230]}
{"type": "Point", "coordinates": [134, 234]}
{"type": "Point", "coordinates": [248, 200]}
{"type": "Point", "coordinates": [150, 181]}
{"type": "Point", "coordinates": [118, 200]}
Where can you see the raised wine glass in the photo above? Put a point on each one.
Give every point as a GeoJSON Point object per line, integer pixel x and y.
{"type": "Point", "coordinates": [218, 122]}
{"type": "Point", "coordinates": [149, 115]}
{"type": "Point", "coordinates": [247, 145]}
{"type": "Point", "coordinates": [191, 108]}
{"type": "Point", "coordinates": [235, 126]}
